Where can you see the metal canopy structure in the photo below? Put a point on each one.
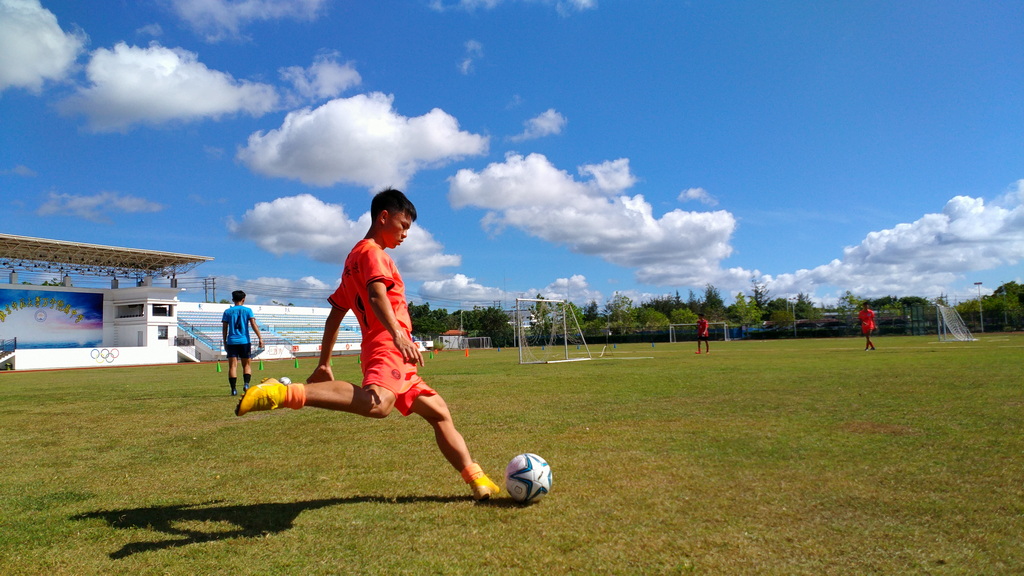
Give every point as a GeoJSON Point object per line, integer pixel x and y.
{"type": "Point", "coordinates": [24, 252]}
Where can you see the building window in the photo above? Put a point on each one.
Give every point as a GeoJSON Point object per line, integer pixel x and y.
{"type": "Point", "coordinates": [161, 332]}
{"type": "Point", "coordinates": [163, 310]}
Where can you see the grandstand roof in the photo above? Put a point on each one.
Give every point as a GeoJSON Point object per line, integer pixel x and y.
{"type": "Point", "coordinates": [29, 253]}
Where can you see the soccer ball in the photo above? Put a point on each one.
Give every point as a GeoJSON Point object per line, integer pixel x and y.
{"type": "Point", "coordinates": [284, 380]}
{"type": "Point", "coordinates": [527, 478]}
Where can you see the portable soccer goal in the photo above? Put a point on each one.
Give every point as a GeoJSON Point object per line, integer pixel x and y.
{"type": "Point", "coordinates": [547, 332]}
{"type": "Point", "coordinates": [688, 332]}
{"type": "Point", "coordinates": [951, 325]}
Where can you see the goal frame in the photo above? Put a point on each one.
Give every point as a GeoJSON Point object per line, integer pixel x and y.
{"type": "Point", "coordinates": [523, 321]}
{"type": "Point", "coordinates": [672, 330]}
{"type": "Point", "coordinates": [950, 325]}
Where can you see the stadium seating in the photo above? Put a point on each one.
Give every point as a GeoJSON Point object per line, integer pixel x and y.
{"type": "Point", "coordinates": [277, 329]}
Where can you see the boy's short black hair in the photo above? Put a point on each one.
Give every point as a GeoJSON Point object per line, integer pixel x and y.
{"type": "Point", "coordinates": [237, 296]}
{"type": "Point", "coordinates": [393, 201]}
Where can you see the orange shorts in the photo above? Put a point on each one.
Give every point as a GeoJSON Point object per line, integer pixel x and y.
{"type": "Point", "coordinates": [384, 366]}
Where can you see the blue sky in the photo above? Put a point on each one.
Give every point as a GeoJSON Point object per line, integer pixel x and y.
{"type": "Point", "coordinates": [566, 147]}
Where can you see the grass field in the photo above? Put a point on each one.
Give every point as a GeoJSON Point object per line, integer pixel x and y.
{"type": "Point", "coordinates": [788, 457]}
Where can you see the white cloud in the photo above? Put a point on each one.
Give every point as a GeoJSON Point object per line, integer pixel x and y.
{"type": "Point", "coordinates": [304, 224]}
{"type": "Point", "coordinates": [220, 19]}
{"type": "Point", "coordinates": [325, 78]}
{"type": "Point", "coordinates": [593, 217]}
{"type": "Point", "coordinates": [548, 123]}
{"type": "Point", "coordinates": [463, 289]}
{"type": "Point", "coordinates": [96, 208]}
{"type": "Point", "coordinates": [699, 194]}
{"type": "Point", "coordinates": [474, 51]}
{"type": "Point", "coordinates": [469, 292]}
{"type": "Point", "coordinates": [155, 85]}
{"type": "Point", "coordinates": [925, 256]}
{"type": "Point", "coordinates": [21, 170]}
{"type": "Point", "coordinates": [359, 140]}
{"type": "Point", "coordinates": [33, 48]}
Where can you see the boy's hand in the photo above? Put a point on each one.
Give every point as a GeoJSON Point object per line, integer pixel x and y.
{"type": "Point", "coordinates": [410, 351]}
{"type": "Point", "coordinates": [321, 374]}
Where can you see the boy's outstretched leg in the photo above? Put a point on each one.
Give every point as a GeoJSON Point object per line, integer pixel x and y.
{"type": "Point", "coordinates": [435, 411]}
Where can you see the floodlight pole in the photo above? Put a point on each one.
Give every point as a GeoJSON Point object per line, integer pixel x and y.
{"type": "Point", "coordinates": [794, 315]}
{"type": "Point", "coordinates": [981, 314]}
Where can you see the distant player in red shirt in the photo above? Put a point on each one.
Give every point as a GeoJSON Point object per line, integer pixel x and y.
{"type": "Point", "coordinates": [702, 334]}
{"type": "Point", "coordinates": [372, 288]}
{"type": "Point", "coordinates": [867, 324]}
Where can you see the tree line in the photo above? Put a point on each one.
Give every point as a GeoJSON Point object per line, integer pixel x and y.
{"type": "Point", "coordinates": [758, 309]}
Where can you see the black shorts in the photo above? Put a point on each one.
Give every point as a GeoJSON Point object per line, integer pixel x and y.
{"type": "Point", "coordinates": [238, 350]}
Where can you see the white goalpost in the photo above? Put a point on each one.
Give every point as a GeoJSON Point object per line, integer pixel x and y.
{"type": "Point", "coordinates": [951, 325]}
{"type": "Point", "coordinates": [688, 332]}
{"type": "Point", "coordinates": [548, 332]}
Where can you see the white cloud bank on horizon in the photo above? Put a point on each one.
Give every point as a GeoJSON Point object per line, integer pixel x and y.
{"type": "Point", "coordinates": [360, 140]}
{"type": "Point", "coordinates": [926, 256]}
{"type": "Point", "coordinates": [130, 85]}
{"type": "Point", "coordinates": [33, 47]}
{"type": "Point", "coordinates": [594, 217]}
{"type": "Point", "coordinates": [306, 225]}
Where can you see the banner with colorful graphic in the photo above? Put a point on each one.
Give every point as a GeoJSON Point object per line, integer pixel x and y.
{"type": "Point", "coordinates": [45, 319]}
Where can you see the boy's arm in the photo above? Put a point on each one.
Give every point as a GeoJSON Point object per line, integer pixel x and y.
{"type": "Point", "coordinates": [381, 307]}
{"type": "Point", "coordinates": [323, 372]}
{"type": "Point", "coordinates": [252, 322]}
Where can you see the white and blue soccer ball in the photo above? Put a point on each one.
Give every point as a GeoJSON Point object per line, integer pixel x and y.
{"type": "Point", "coordinates": [527, 478]}
{"type": "Point", "coordinates": [284, 380]}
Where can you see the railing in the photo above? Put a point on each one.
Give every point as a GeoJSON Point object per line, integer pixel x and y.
{"type": "Point", "coordinates": [9, 345]}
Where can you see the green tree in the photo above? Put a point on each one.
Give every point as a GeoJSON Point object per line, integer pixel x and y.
{"type": "Point", "coordinates": [619, 311]}
{"type": "Point", "coordinates": [804, 307]}
{"type": "Point", "coordinates": [683, 316]}
{"type": "Point", "coordinates": [713, 306]}
{"type": "Point", "coordinates": [649, 319]}
{"type": "Point", "coordinates": [744, 312]}
{"type": "Point", "coordinates": [427, 321]}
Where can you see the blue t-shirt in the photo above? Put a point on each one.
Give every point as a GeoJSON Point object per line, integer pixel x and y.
{"type": "Point", "coordinates": [237, 319]}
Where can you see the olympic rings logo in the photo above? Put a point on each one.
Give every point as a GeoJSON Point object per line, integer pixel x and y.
{"type": "Point", "coordinates": [107, 355]}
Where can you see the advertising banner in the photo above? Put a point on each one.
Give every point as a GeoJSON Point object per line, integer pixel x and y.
{"type": "Point", "coordinates": [45, 319]}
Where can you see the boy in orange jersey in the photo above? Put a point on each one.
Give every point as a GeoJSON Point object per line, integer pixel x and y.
{"type": "Point", "coordinates": [867, 325]}
{"type": "Point", "coordinates": [372, 288]}
{"type": "Point", "coordinates": [702, 334]}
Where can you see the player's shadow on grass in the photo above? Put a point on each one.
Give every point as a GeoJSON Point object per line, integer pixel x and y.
{"type": "Point", "coordinates": [194, 523]}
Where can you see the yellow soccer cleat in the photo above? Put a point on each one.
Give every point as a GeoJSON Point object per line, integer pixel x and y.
{"type": "Point", "coordinates": [484, 488]}
{"type": "Point", "coordinates": [267, 395]}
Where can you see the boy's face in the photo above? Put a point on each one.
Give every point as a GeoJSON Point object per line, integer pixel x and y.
{"type": "Point", "coordinates": [395, 229]}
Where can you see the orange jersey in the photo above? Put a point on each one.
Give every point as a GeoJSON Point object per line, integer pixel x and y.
{"type": "Point", "coordinates": [867, 319]}
{"type": "Point", "coordinates": [366, 263]}
{"type": "Point", "coordinates": [382, 363]}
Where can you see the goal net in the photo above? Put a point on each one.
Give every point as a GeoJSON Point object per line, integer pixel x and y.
{"type": "Point", "coordinates": [688, 332]}
{"type": "Point", "coordinates": [951, 326]}
{"type": "Point", "coordinates": [547, 331]}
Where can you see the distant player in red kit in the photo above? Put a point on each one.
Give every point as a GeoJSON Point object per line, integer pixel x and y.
{"type": "Point", "coordinates": [867, 325]}
{"type": "Point", "coordinates": [702, 334]}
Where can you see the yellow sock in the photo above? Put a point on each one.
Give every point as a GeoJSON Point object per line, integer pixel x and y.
{"type": "Point", "coordinates": [295, 397]}
{"type": "Point", "coordinates": [472, 472]}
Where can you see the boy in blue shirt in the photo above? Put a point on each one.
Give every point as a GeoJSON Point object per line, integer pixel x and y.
{"type": "Point", "coordinates": [236, 321]}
